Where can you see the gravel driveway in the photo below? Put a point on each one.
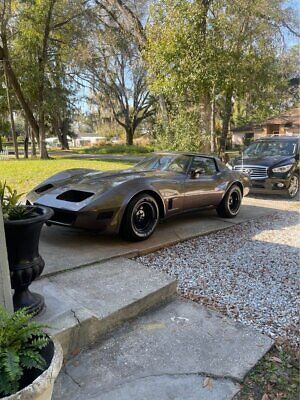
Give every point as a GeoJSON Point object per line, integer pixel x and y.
{"type": "Point", "coordinates": [248, 272]}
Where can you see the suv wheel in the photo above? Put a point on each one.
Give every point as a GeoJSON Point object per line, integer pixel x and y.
{"type": "Point", "coordinates": [293, 188]}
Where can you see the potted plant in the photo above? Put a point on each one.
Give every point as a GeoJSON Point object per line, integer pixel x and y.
{"type": "Point", "coordinates": [22, 225]}
{"type": "Point", "coordinates": [30, 360]}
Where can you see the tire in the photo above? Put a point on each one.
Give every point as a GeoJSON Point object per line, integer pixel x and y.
{"type": "Point", "coordinates": [140, 219]}
{"type": "Point", "coordinates": [231, 203]}
{"type": "Point", "coordinates": [293, 189]}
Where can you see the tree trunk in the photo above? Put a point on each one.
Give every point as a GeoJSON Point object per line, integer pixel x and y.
{"type": "Point", "coordinates": [12, 121]}
{"type": "Point", "coordinates": [129, 136]}
{"type": "Point", "coordinates": [212, 122]}
{"type": "Point", "coordinates": [43, 148]}
{"type": "Point", "coordinates": [33, 146]}
{"type": "Point", "coordinates": [26, 140]}
{"type": "Point", "coordinates": [17, 89]}
{"type": "Point", "coordinates": [41, 66]}
{"type": "Point", "coordinates": [163, 109]}
{"type": "Point", "coordinates": [64, 141]}
{"type": "Point", "coordinates": [205, 115]}
{"type": "Point", "coordinates": [205, 102]}
{"type": "Point", "coordinates": [225, 122]}
{"type": "Point", "coordinates": [1, 144]}
{"type": "Point", "coordinates": [59, 127]}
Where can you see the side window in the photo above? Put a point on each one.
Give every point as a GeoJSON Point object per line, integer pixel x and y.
{"type": "Point", "coordinates": [180, 164]}
{"type": "Point", "coordinates": [206, 164]}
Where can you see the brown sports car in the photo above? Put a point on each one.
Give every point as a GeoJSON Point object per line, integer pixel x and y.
{"type": "Point", "coordinates": [131, 202]}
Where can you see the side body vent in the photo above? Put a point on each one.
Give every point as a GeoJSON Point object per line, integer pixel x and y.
{"type": "Point", "coordinates": [170, 204]}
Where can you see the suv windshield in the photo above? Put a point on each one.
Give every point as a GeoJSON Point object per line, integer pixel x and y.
{"type": "Point", "coordinates": [164, 163]}
{"type": "Point", "coordinates": [271, 148]}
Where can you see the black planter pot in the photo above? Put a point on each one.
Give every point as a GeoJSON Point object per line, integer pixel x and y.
{"type": "Point", "coordinates": [25, 263]}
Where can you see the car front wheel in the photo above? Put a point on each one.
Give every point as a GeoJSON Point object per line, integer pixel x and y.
{"type": "Point", "coordinates": [231, 203]}
{"type": "Point", "coordinates": [293, 188]}
{"type": "Point", "coordinates": [140, 218]}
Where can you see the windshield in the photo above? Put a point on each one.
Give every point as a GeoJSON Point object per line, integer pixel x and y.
{"type": "Point", "coordinates": [167, 162]}
{"type": "Point", "coordinates": [271, 148]}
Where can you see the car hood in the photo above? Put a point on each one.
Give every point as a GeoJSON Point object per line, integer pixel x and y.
{"type": "Point", "coordinates": [97, 181]}
{"type": "Point", "coordinates": [269, 161]}
{"type": "Point", "coordinates": [114, 177]}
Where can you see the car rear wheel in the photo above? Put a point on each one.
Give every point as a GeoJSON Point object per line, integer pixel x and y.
{"type": "Point", "coordinates": [231, 203]}
{"type": "Point", "coordinates": [293, 188]}
{"type": "Point", "coordinates": [140, 218]}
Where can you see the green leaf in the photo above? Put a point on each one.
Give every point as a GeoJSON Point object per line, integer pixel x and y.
{"type": "Point", "coordinates": [32, 359]}
{"type": "Point", "coordinates": [20, 343]}
{"type": "Point", "coordinates": [10, 362]}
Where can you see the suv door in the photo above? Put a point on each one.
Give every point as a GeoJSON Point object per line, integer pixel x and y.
{"type": "Point", "coordinates": [202, 189]}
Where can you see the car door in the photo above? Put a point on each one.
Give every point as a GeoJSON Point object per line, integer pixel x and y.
{"type": "Point", "coordinates": [172, 183]}
{"type": "Point", "coordinates": [202, 189]}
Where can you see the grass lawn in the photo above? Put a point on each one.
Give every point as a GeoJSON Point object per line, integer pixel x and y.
{"type": "Point", "coordinates": [275, 377]}
{"type": "Point", "coordinates": [23, 175]}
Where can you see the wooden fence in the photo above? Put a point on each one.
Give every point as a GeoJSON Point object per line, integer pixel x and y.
{"type": "Point", "coordinates": [4, 154]}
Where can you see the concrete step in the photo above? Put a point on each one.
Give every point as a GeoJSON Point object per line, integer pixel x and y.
{"type": "Point", "coordinates": [179, 351]}
{"type": "Point", "coordinates": [85, 304]}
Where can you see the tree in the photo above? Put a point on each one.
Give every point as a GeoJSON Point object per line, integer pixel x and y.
{"type": "Point", "coordinates": [43, 30]}
{"type": "Point", "coordinates": [175, 55]}
{"type": "Point", "coordinates": [6, 15]}
{"type": "Point", "coordinates": [210, 53]}
{"type": "Point", "coordinates": [115, 69]}
{"type": "Point", "coordinates": [247, 53]}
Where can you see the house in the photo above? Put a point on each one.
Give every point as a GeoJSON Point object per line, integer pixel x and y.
{"type": "Point", "coordinates": [286, 124]}
{"type": "Point", "coordinates": [89, 140]}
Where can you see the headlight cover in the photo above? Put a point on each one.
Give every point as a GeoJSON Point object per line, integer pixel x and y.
{"type": "Point", "coordinates": [284, 168]}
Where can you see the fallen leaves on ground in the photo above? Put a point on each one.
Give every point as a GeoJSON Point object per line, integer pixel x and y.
{"type": "Point", "coordinates": [208, 383]}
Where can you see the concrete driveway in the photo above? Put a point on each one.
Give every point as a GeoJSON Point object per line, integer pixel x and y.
{"type": "Point", "coordinates": [64, 248]}
{"type": "Point", "coordinates": [183, 343]}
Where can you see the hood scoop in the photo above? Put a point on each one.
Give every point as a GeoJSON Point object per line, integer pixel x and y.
{"type": "Point", "coordinates": [74, 196]}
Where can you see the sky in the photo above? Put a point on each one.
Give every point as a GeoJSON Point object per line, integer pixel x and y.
{"type": "Point", "coordinates": [290, 41]}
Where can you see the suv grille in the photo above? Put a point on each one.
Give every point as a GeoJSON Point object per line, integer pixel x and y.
{"type": "Point", "coordinates": [255, 172]}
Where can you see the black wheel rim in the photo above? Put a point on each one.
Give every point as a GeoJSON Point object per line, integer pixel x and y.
{"type": "Point", "coordinates": [234, 201]}
{"type": "Point", "coordinates": [144, 218]}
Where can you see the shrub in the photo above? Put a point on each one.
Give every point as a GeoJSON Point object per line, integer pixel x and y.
{"type": "Point", "coordinates": [183, 132]}
{"type": "Point", "coordinates": [21, 341]}
{"type": "Point", "coordinates": [117, 149]}
{"type": "Point", "coordinates": [12, 209]}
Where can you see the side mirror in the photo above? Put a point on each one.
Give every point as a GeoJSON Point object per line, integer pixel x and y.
{"type": "Point", "coordinates": [195, 173]}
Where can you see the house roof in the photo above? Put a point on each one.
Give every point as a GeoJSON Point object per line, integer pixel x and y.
{"type": "Point", "coordinates": [244, 128]}
{"type": "Point", "coordinates": [290, 119]}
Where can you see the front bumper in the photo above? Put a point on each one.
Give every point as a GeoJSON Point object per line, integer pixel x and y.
{"type": "Point", "coordinates": [272, 185]}
{"type": "Point", "coordinates": [100, 220]}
